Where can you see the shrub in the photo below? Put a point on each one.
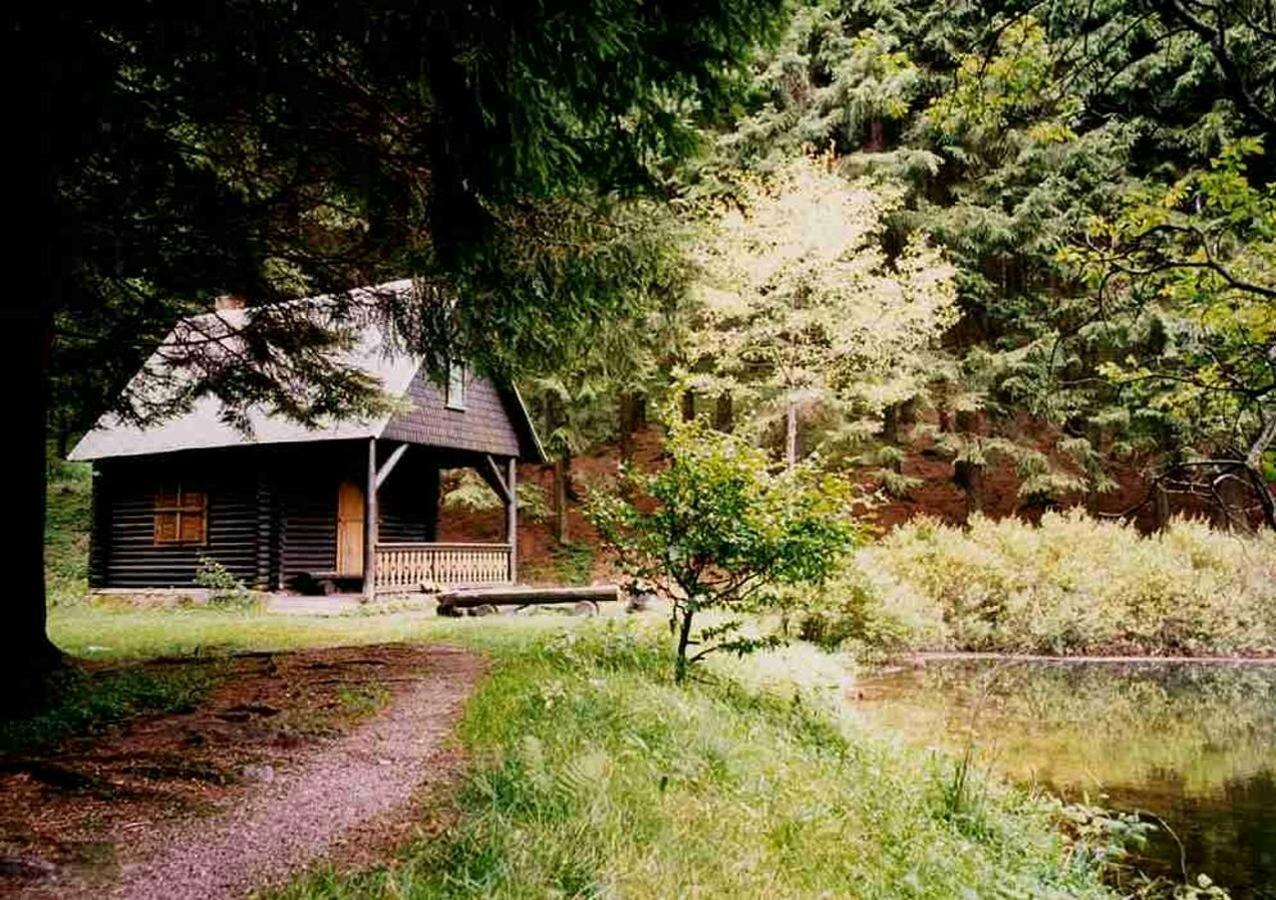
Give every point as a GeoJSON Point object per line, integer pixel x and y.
{"type": "Point", "coordinates": [1074, 584]}
{"type": "Point", "coordinates": [225, 590]}
{"type": "Point", "coordinates": [717, 530]}
{"type": "Point", "coordinates": [862, 613]}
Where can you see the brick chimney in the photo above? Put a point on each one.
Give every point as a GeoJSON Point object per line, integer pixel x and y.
{"type": "Point", "coordinates": [227, 302]}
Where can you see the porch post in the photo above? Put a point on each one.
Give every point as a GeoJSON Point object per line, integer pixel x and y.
{"type": "Point", "coordinates": [370, 525]}
{"type": "Point", "coordinates": [511, 516]}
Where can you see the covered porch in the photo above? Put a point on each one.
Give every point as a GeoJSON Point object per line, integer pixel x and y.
{"type": "Point", "coordinates": [396, 566]}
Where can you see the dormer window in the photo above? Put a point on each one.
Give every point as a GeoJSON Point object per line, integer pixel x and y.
{"type": "Point", "coordinates": [456, 386]}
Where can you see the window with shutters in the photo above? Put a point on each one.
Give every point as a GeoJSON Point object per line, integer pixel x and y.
{"type": "Point", "coordinates": [181, 516]}
{"type": "Point", "coordinates": [456, 386]}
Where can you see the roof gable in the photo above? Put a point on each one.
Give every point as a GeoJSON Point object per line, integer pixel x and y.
{"type": "Point", "coordinates": [497, 424]}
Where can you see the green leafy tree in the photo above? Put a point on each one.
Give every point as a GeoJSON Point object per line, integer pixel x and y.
{"type": "Point", "coordinates": [717, 530]}
{"type": "Point", "coordinates": [801, 305]}
{"type": "Point", "coordinates": [1186, 278]}
{"type": "Point", "coordinates": [468, 491]}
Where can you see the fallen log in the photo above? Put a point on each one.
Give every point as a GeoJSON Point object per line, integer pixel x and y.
{"type": "Point", "coordinates": [450, 602]}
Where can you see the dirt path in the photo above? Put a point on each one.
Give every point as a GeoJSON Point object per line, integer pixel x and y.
{"type": "Point", "coordinates": [344, 798]}
{"type": "Point", "coordinates": [303, 814]}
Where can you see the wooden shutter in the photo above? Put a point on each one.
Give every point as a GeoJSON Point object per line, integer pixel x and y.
{"type": "Point", "coordinates": [181, 516]}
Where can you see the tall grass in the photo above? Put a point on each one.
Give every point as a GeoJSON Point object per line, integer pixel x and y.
{"type": "Point", "coordinates": [1074, 584]}
{"type": "Point", "coordinates": [593, 775]}
{"type": "Point", "coordinates": [66, 530]}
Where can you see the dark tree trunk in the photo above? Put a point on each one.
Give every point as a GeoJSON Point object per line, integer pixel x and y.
{"type": "Point", "coordinates": [1161, 504]}
{"type": "Point", "coordinates": [876, 136]}
{"type": "Point", "coordinates": [790, 436]}
{"type": "Point", "coordinates": [890, 424]}
{"type": "Point", "coordinates": [684, 642]}
{"type": "Point", "coordinates": [63, 438]}
{"type": "Point", "coordinates": [628, 425]}
{"type": "Point", "coordinates": [688, 405]}
{"type": "Point", "coordinates": [724, 413]}
{"type": "Point", "coordinates": [562, 475]}
{"type": "Point", "coordinates": [27, 655]}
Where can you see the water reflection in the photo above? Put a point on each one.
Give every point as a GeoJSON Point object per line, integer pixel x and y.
{"type": "Point", "coordinates": [1193, 744]}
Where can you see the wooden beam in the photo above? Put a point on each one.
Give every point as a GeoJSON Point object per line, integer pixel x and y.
{"type": "Point", "coordinates": [493, 477]}
{"type": "Point", "coordinates": [525, 596]}
{"type": "Point", "coordinates": [388, 466]}
{"type": "Point", "coordinates": [370, 525]}
{"type": "Point", "coordinates": [511, 515]}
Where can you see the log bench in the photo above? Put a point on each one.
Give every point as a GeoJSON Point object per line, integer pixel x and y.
{"type": "Point", "coordinates": [455, 602]}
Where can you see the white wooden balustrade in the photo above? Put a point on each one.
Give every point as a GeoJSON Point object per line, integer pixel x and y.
{"type": "Point", "coordinates": [403, 568]}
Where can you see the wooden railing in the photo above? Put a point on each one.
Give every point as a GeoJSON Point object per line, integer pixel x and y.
{"type": "Point", "coordinates": [403, 568]}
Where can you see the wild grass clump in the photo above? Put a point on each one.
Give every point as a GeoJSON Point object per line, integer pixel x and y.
{"type": "Point", "coordinates": [1072, 585]}
{"type": "Point", "coordinates": [66, 531]}
{"type": "Point", "coordinates": [594, 774]}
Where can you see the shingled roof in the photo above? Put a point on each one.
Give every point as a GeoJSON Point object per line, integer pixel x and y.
{"type": "Point", "coordinates": [399, 373]}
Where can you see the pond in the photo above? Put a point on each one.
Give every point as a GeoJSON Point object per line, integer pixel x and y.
{"type": "Point", "coordinates": [1194, 744]}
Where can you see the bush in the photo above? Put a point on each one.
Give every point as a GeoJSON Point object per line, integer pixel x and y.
{"type": "Point", "coordinates": [225, 590]}
{"type": "Point", "coordinates": [862, 613]}
{"type": "Point", "coordinates": [1074, 584]}
{"type": "Point", "coordinates": [717, 530]}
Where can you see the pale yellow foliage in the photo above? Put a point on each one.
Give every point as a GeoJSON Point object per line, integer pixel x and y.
{"type": "Point", "coordinates": [1075, 584]}
{"type": "Point", "coordinates": [799, 299]}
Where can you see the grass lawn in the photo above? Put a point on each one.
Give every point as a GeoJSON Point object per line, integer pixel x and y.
{"type": "Point", "coordinates": [592, 774]}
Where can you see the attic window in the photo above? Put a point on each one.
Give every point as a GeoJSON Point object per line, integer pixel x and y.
{"type": "Point", "coordinates": [456, 386]}
{"type": "Point", "coordinates": [181, 516]}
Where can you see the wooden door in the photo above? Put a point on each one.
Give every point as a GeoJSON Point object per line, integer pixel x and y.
{"type": "Point", "coordinates": [350, 529]}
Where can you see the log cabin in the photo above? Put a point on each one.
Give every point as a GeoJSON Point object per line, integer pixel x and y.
{"type": "Point", "coordinates": [350, 505]}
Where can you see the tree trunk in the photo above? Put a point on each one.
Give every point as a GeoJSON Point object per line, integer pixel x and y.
{"type": "Point", "coordinates": [791, 435]}
{"type": "Point", "coordinates": [688, 405]}
{"type": "Point", "coordinates": [970, 478]}
{"type": "Point", "coordinates": [628, 418]}
{"type": "Point", "coordinates": [890, 424]}
{"type": "Point", "coordinates": [1161, 503]}
{"type": "Point", "coordinates": [876, 135]}
{"type": "Point", "coordinates": [684, 641]}
{"type": "Point", "coordinates": [724, 413]}
{"type": "Point", "coordinates": [27, 656]}
{"type": "Point", "coordinates": [562, 472]}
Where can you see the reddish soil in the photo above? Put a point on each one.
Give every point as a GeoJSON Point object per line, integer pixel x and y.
{"type": "Point", "coordinates": [291, 757]}
{"type": "Point", "coordinates": [939, 494]}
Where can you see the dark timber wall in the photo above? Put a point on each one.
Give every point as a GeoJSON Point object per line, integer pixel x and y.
{"type": "Point", "coordinates": [125, 553]}
{"type": "Point", "coordinates": [272, 511]}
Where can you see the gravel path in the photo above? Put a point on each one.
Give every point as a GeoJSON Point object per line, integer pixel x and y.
{"type": "Point", "coordinates": [302, 813]}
